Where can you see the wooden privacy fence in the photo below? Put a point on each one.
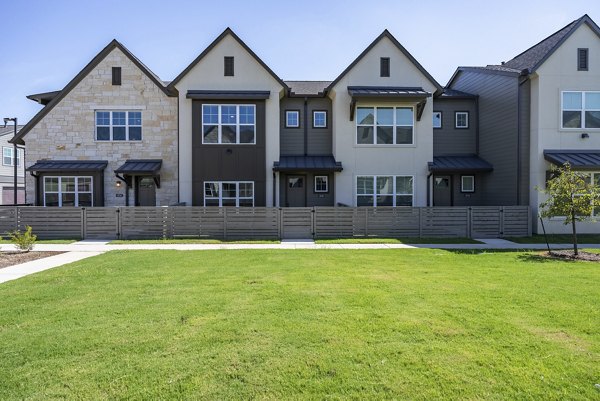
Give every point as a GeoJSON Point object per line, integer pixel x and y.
{"type": "Point", "coordinates": [263, 222]}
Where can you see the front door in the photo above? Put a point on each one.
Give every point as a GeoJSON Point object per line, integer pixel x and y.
{"type": "Point", "coordinates": [145, 191]}
{"type": "Point", "coordinates": [295, 195]}
{"type": "Point", "coordinates": [442, 190]}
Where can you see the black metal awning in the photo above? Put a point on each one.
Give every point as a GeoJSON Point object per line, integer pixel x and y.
{"type": "Point", "coordinates": [67, 165]}
{"type": "Point", "coordinates": [459, 164]}
{"type": "Point", "coordinates": [578, 159]}
{"type": "Point", "coordinates": [407, 93]}
{"type": "Point", "coordinates": [228, 94]}
{"type": "Point", "coordinates": [307, 163]}
{"type": "Point", "coordinates": [140, 167]}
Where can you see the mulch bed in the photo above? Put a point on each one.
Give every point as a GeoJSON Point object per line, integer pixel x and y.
{"type": "Point", "coordinates": [569, 255]}
{"type": "Point", "coordinates": [14, 258]}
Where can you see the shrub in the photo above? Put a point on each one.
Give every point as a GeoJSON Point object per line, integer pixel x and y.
{"type": "Point", "coordinates": [24, 241]}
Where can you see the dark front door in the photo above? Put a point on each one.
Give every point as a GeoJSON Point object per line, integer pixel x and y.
{"type": "Point", "coordinates": [295, 195]}
{"type": "Point", "coordinates": [145, 191]}
{"type": "Point", "coordinates": [442, 190]}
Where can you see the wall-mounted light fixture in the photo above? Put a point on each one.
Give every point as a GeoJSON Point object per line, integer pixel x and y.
{"type": "Point", "coordinates": [119, 184]}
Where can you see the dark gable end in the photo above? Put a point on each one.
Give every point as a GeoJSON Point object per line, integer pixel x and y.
{"type": "Point", "coordinates": [387, 34]}
{"type": "Point", "coordinates": [79, 77]}
{"type": "Point", "coordinates": [226, 32]}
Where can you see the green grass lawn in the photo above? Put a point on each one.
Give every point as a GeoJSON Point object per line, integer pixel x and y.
{"type": "Point", "coordinates": [192, 241]}
{"type": "Point", "coordinates": [417, 324]}
{"type": "Point", "coordinates": [557, 239]}
{"type": "Point", "coordinates": [407, 240]}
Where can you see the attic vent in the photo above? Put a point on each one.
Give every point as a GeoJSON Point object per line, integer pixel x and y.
{"type": "Point", "coordinates": [582, 59]}
{"type": "Point", "coordinates": [384, 67]}
{"type": "Point", "coordinates": [116, 75]}
{"type": "Point", "coordinates": [228, 62]}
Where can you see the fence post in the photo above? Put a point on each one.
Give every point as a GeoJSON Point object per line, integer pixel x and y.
{"type": "Point", "coordinates": [501, 225]}
{"type": "Point", "coordinates": [469, 222]}
{"type": "Point", "coordinates": [278, 223]}
{"type": "Point", "coordinates": [313, 212]}
{"type": "Point", "coordinates": [366, 222]}
{"type": "Point", "coordinates": [83, 223]}
{"type": "Point", "coordinates": [119, 223]}
{"type": "Point", "coordinates": [420, 209]}
{"type": "Point", "coordinates": [16, 218]}
{"type": "Point", "coordinates": [529, 222]}
{"type": "Point", "coordinates": [225, 223]}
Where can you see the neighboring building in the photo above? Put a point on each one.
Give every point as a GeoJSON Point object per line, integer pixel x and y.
{"type": "Point", "coordinates": [7, 172]}
{"type": "Point", "coordinates": [538, 109]}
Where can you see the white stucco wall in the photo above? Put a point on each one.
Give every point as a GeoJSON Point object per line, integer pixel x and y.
{"type": "Point", "coordinates": [381, 159]}
{"type": "Point", "coordinates": [559, 73]}
{"type": "Point", "coordinates": [208, 75]}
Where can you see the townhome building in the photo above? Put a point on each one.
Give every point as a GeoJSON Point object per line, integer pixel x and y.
{"type": "Point", "coordinates": [227, 131]}
{"type": "Point", "coordinates": [7, 168]}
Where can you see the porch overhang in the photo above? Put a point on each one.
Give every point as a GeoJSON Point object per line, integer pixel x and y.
{"type": "Point", "coordinates": [578, 159]}
{"type": "Point", "coordinates": [307, 163]}
{"type": "Point", "coordinates": [58, 166]}
{"type": "Point", "coordinates": [398, 93]}
{"type": "Point", "coordinates": [459, 164]}
{"type": "Point", "coordinates": [147, 167]}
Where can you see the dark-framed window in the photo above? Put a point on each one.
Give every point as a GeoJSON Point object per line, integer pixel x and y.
{"type": "Point", "coordinates": [229, 124]}
{"type": "Point", "coordinates": [461, 120]}
{"type": "Point", "coordinates": [292, 119]}
{"type": "Point", "coordinates": [116, 75]}
{"type": "Point", "coordinates": [467, 183]}
{"type": "Point", "coordinates": [582, 59]}
{"type": "Point", "coordinates": [384, 67]}
{"type": "Point", "coordinates": [118, 125]}
{"type": "Point", "coordinates": [437, 119]}
{"type": "Point", "coordinates": [228, 66]}
{"type": "Point", "coordinates": [319, 118]}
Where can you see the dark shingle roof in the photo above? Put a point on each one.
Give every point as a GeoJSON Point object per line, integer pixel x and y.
{"type": "Point", "coordinates": [307, 163]}
{"type": "Point", "coordinates": [307, 88]}
{"type": "Point", "coordinates": [68, 165]}
{"type": "Point", "coordinates": [9, 129]}
{"type": "Point", "coordinates": [463, 163]}
{"type": "Point", "coordinates": [580, 159]}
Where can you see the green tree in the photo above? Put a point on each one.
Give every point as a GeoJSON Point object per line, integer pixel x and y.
{"type": "Point", "coordinates": [572, 195]}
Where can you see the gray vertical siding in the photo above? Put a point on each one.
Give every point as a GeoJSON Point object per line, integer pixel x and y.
{"type": "Point", "coordinates": [498, 132]}
{"type": "Point", "coordinates": [525, 140]}
{"type": "Point", "coordinates": [312, 198]}
{"type": "Point", "coordinates": [292, 139]}
{"type": "Point", "coordinates": [449, 140]}
{"type": "Point", "coordinates": [319, 139]}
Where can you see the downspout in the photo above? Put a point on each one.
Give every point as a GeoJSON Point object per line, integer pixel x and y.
{"type": "Point", "coordinates": [305, 126]}
{"type": "Point", "coordinates": [37, 188]}
{"type": "Point", "coordinates": [519, 133]}
{"type": "Point", "coordinates": [429, 200]}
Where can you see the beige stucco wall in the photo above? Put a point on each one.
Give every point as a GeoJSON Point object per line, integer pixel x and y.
{"type": "Point", "coordinates": [559, 73]}
{"type": "Point", "coordinates": [208, 75]}
{"type": "Point", "coordinates": [381, 159]}
{"type": "Point", "coordinates": [67, 132]}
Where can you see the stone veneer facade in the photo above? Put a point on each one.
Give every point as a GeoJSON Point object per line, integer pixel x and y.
{"type": "Point", "coordinates": [67, 132]}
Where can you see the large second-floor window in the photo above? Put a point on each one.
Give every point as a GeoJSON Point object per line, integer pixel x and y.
{"type": "Point", "coordinates": [580, 109]}
{"type": "Point", "coordinates": [118, 125]}
{"type": "Point", "coordinates": [384, 126]}
{"type": "Point", "coordinates": [228, 124]}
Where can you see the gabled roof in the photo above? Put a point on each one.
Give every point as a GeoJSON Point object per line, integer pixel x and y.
{"type": "Point", "coordinates": [386, 34]}
{"type": "Point", "coordinates": [535, 56]}
{"type": "Point", "coordinates": [80, 76]}
{"type": "Point", "coordinates": [222, 36]}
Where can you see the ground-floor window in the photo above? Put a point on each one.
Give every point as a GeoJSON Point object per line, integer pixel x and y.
{"type": "Point", "coordinates": [68, 191]}
{"type": "Point", "coordinates": [594, 178]}
{"type": "Point", "coordinates": [321, 183]}
{"type": "Point", "coordinates": [229, 193]}
{"type": "Point", "coordinates": [384, 190]}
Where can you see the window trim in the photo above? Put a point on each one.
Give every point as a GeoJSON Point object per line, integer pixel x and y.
{"type": "Point", "coordinates": [582, 110]}
{"type": "Point", "coordinates": [326, 184]}
{"type": "Point", "coordinates": [441, 120]}
{"type": "Point", "coordinates": [587, 59]}
{"type": "Point", "coordinates": [456, 113]}
{"type": "Point", "coordinates": [326, 118]}
{"type": "Point", "coordinates": [220, 125]}
{"type": "Point", "coordinates": [384, 73]}
{"type": "Point", "coordinates": [286, 118]}
{"type": "Point", "coordinates": [227, 59]}
{"type": "Point", "coordinates": [462, 184]}
{"type": "Point", "coordinates": [237, 192]}
{"type": "Point", "coordinates": [12, 156]}
{"type": "Point", "coordinates": [111, 126]}
{"type": "Point", "coordinates": [394, 194]}
{"type": "Point", "coordinates": [60, 192]}
{"type": "Point", "coordinates": [374, 125]}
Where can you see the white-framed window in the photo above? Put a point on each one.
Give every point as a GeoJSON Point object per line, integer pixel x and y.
{"type": "Point", "coordinates": [8, 156]}
{"type": "Point", "coordinates": [384, 125]}
{"type": "Point", "coordinates": [461, 119]}
{"type": "Point", "coordinates": [68, 191]}
{"type": "Point", "coordinates": [437, 119]}
{"type": "Point", "coordinates": [319, 119]}
{"type": "Point", "coordinates": [580, 110]}
{"type": "Point", "coordinates": [228, 124]}
{"type": "Point", "coordinates": [467, 183]}
{"type": "Point", "coordinates": [321, 183]}
{"type": "Point", "coordinates": [384, 190]}
{"type": "Point", "coordinates": [594, 178]}
{"type": "Point", "coordinates": [292, 119]}
{"type": "Point", "coordinates": [229, 193]}
{"type": "Point", "coordinates": [118, 125]}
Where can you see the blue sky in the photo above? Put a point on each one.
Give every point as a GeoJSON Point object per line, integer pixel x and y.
{"type": "Point", "coordinates": [45, 43]}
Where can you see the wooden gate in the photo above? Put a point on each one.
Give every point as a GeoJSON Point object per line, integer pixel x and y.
{"type": "Point", "coordinates": [297, 223]}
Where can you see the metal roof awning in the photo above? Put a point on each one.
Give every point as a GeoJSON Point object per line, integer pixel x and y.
{"type": "Point", "coordinates": [578, 159]}
{"type": "Point", "coordinates": [307, 163]}
{"type": "Point", "coordinates": [228, 94]}
{"type": "Point", "coordinates": [140, 167]}
{"type": "Point", "coordinates": [406, 93]}
{"type": "Point", "coordinates": [459, 164]}
{"type": "Point", "coordinates": [67, 165]}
